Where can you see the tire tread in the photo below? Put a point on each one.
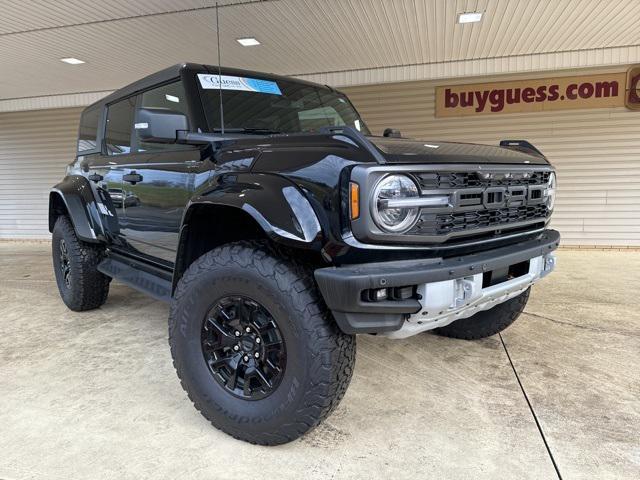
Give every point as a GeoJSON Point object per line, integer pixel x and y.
{"type": "Point", "coordinates": [90, 287]}
{"type": "Point", "coordinates": [332, 361]}
{"type": "Point", "coordinates": [486, 323]}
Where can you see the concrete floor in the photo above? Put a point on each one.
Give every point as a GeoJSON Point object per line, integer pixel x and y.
{"type": "Point", "coordinates": [94, 395]}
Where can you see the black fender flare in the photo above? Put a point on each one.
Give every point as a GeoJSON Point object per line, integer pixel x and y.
{"type": "Point", "coordinates": [276, 204]}
{"type": "Point", "coordinates": [78, 196]}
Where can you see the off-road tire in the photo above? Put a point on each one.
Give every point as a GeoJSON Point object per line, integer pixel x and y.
{"type": "Point", "coordinates": [320, 357]}
{"type": "Point", "coordinates": [88, 288]}
{"type": "Point", "coordinates": [486, 323]}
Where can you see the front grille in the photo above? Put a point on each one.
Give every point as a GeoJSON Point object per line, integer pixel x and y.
{"type": "Point", "coordinates": [442, 224]}
{"type": "Point", "coordinates": [454, 204]}
{"type": "Point", "coordinates": [482, 202]}
{"type": "Point", "coordinates": [437, 180]}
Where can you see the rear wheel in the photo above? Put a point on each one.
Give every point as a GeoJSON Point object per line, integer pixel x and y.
{"type": "Point", "coordinates": [486, 323]}
{"type": "Point", "coordinates": [254, 346]}
{"type": "Point", "coordinates": [81, 285]}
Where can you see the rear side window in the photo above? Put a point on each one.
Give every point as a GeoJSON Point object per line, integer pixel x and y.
{"type": "Point", "coordinates": [119, 124]}
{"type": "Point", "coordinates": [87, 136]}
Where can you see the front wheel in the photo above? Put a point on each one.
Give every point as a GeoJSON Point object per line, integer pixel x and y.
{"type": "Point", "coordinates": [255, 348]}
{"type": "Point", "coordinates": [488, 322]}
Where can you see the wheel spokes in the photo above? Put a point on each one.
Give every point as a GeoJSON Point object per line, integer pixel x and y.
{"type": "Point", "coordinates": [273, 345]}
{"type": "Point", "coordinates": [233, 379]}
{"type": "Point", "coordinates": [262, 378]}
{"type": "Point", "coordinates": [224, 337]}
{"type": "Point", "coordinates": [243, 347]}
{"type": "Point", "coordinates": [272, 366]}
{"type": "Point", "coordinates": [65, 266]}
{"type": "Point", "coordinates": [246, 389]}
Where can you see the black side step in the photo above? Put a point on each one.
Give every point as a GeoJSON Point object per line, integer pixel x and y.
{"type": "Point", "coordinates": [145, 278]}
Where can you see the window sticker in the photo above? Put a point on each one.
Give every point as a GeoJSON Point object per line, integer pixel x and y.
{"type": "Point", "coordinates": [212, 82]}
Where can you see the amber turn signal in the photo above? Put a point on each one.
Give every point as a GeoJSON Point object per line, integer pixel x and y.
{"type": "Point", "coordinates": [354, 200]}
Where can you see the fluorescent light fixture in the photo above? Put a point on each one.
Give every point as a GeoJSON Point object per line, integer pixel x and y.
{"type": "Point", "coordinates": [471, 17]}
{"type": "Point", "coordinates": [248, 41]}
{"type": "Point", "coordinates": [71, 61]}
{"type": "Point", "coordinates": [172, 98]}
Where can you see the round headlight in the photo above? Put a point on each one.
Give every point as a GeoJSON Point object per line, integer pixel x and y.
{"type": "Point", "coordinates": [550, 191]}
{"type": "Point", "coordinates": [387, 216]}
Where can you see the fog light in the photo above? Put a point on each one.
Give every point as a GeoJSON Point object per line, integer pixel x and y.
{"type": "Point", "coordinates": [380, 294]}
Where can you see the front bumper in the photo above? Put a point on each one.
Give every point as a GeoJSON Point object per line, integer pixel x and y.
{"type": "Point", "coordinates": [449, 288]}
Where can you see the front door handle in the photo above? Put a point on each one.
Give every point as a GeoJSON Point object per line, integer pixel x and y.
{"type": "Point", "coordinates": [132, 178]}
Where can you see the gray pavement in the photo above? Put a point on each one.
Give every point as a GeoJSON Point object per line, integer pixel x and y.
{"type": "Point", "coordinates": [94, 395]}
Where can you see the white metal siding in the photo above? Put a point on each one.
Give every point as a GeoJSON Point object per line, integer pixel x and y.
{"type": "Point", "coordinates": [49, 102]}
{"type": "Point", "coordinates": [596, 152]}
{"type": "Point", "coordinates": [35, 147]}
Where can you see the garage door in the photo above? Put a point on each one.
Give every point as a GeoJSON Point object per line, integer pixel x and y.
{"type": "Point", "coordinates": [596, 153]}
{"type": "Point", "coordinates": [35, 147]}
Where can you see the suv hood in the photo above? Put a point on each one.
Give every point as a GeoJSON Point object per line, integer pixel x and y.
{"type": "Point", "coordinates": [404, 150]}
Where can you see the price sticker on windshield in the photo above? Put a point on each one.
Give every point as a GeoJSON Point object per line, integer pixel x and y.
{"type": "Point", "coordinates": [228, 82]}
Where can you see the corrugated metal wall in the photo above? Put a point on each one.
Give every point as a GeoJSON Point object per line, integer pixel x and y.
{"type": "Point", "coordinates": [35, 147]}
{"type": "Point", "coordinates": [596, 152]}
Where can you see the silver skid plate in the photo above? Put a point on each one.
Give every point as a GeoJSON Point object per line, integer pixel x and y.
{"type": "Point", "coordinates": [450, 300]}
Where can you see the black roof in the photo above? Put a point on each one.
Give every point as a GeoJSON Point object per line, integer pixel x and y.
{"type": "Point", "coordinates": [175, 71]}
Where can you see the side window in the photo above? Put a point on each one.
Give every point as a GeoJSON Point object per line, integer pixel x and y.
{"type": "Point", "coordinates": [119, 122]}
{"type": "Point", "coordinates": [319, 117]}
{"type": "Point", "coordinates": [169, 97]}
{"type": "Point", "coordinates": [87, 136]}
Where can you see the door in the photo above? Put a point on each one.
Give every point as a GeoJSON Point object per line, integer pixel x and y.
{"type": "Point", "coordinates": [105, 169]}
{"type": "Point", "coordinates": [158, 181]}
{"type": "Point", "coordinates": [156, 189]}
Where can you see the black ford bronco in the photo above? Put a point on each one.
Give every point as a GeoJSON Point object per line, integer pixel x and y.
{"type": "Point", "coordinates": [277, 227]}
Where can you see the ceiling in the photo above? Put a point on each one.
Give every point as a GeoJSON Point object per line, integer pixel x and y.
{"type": "Point", "coordinates": [122, 40]}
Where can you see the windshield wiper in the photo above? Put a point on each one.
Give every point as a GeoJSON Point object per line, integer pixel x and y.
{"type": "Point", "coordinates": [257, 131]}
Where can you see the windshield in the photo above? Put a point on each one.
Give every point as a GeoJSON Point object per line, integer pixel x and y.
{"type": "Point", "coordinates": [267, 106]}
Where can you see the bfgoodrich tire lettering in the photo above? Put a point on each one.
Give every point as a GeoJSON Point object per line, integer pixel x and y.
{"type": "Point", "coordinates": [486, 323]}
{"type": "Point", "coordinates": [320, 358]}
{"type": "Point", "coordinates": [81, 285]}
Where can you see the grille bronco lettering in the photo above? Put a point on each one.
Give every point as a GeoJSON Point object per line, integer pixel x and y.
{"type": "Point", "coordinates": [482, 202]}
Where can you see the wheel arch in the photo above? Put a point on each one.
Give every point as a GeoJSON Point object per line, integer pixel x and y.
{"type": "Point", "coordinates": [74, 197]}
{"type": "Point", "coordinates": [200, 234]}
{"type": "Point", "coordinates": [271, 209]}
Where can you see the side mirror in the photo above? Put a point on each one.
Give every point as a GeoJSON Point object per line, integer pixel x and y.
{"type": "Point", "coordinates": [159, 125]}
{"type": "Point", "coordinates": [391, 132]}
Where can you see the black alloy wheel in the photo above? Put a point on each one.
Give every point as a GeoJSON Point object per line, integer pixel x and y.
{"type": "Point", "coordinates": [65, 264]}
{"type": "Point", "coordinates": [243, 347]}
